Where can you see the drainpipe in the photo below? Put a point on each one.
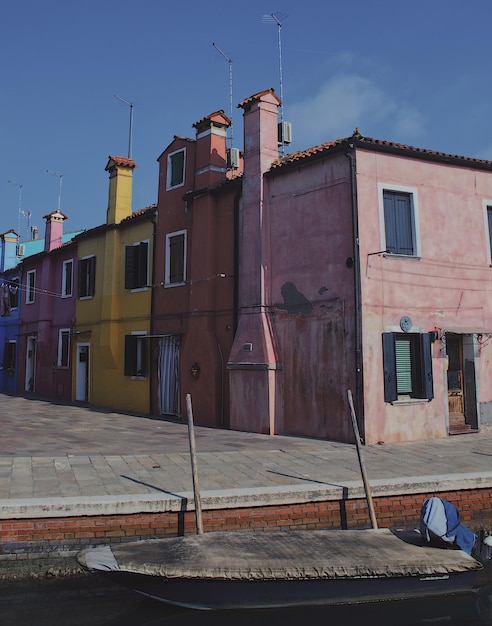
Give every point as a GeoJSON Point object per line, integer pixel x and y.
{"type": "Point", "coordinates": [152, 407]}
{"type": "Point", "coordinates": [359, 389]}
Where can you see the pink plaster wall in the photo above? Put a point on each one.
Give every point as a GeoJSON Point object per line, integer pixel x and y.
{"type": "Point", "coordinates": [446, 287]}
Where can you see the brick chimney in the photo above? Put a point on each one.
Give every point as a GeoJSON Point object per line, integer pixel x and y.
{"type": "Point", "coordinates": [54, 230]}
{"type": "Point", "coordinates": [254, 362]}
{"type": "Point", "coordinates": [120, 188]}
{"type": "Point", "coordinates": [211, 135]}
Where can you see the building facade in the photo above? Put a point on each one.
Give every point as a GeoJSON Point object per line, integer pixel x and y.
{"type": "Point", "coordinates": [194, 298]}
{"type": "Point", "coordinates": [113, 303]}
{"type": "Point", "coordinates": [9, 311]}
{"type": "Point", "coordinates": [357, 273]}
{"type": "Point", "coordinates": [47, 315]}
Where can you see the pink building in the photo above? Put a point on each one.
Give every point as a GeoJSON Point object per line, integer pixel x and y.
{"type": "Point", "coordinates": [284, 284]}
{"type": "Point", "coordinates": [363, 265]}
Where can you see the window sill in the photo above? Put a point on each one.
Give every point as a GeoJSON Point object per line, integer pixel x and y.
{"type": "Point", "coordinates": [403, 401]}
{"type": "Point", "coordinates": [410, 257]}
{"type": "Point", "coordinates": [167, 285]}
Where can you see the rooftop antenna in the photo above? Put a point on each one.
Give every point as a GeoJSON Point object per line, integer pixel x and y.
{"type": "Point", "coordinates": [130, 132]}
{"type": "Point", "coordinates": [229, 60]}
{"type": "Point", "coordinates": [276, 18]}
{"type": "Point", "coordinates": [60, 176]}
{"type": "Point", "coordinates": [27, 214]}
{"type": "Point", "coordinates": [20, 205]}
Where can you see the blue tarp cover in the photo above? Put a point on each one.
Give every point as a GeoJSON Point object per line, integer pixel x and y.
{"type": "Point", "coordinates": [441, 519]}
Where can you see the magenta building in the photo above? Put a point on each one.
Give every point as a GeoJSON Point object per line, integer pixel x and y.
{"type": "Point", "coordinates": [48, 315]}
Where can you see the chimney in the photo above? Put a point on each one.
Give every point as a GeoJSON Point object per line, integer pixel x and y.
{"type": "Point", "coordinates": [254, 361]}
{"type": "Point", "coordinates": [54, 230]}
{"type": "Point", "coordinates": [211, 163]}
{"type": "Point", "coordinates": [120, 188]}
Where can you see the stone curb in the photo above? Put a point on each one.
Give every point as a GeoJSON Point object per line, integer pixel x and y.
{"type": "Point", "coordinates": [24, 508]}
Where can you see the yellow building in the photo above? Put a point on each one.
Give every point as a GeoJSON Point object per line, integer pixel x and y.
{"type": "Point", "coordinates": [114, 295]}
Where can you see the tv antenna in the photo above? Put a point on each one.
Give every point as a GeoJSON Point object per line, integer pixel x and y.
{"type": "Point", "coordinates": [130, 132]}
{"type": "Point", "coordinates": [60, 176]}
{"type": "Point", "coordinates": [276, 18]}
{"type": "Point", "coordinates": [229, 60]}
{"type": "Point", "coordinates": [20, 205]}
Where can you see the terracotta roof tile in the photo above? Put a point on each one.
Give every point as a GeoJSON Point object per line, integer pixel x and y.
{"type": "Point", "coordinates": [217, 116]}
{"type": "Point", "coordinates": [139, 213]}
{"type": "Point", "coordinates": [124, 161]}
{"type": "Point", "coordinates": [359, 141]}
{"type": "Point", "coordinates": [257, 96]}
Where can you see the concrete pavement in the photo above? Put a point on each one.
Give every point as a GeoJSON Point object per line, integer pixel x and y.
{"type": "Point", "coordinates": [58, 460]}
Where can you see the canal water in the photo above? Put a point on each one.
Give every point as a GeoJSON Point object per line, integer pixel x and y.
{"type": "Point", "coordinates": [90, 601]}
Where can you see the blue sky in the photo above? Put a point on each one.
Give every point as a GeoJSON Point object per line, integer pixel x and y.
{"type": "Point", "coordinates": [411, 72]}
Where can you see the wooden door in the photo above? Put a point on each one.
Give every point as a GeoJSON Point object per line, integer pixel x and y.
{"type": "Point", "coordinates": [456, 397]}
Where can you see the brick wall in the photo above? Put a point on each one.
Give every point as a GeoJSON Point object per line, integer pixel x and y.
{"type": "Point", "coordinates": [55, 536]}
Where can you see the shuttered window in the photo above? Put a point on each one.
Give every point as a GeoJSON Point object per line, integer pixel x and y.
{"type": "Point", "coordinates": [136, 355]}
{"type": "Point", "coordinates": [489, 219]}
{"type": "Point", "coordinates": [136, 265]}
{"type": "Point", "coordinates": [176, 258]}
{"type": "Point", "coordinates": [403, 362]}
{"type": "Point", "coordinates": [407, 363]}
{"type": "Point", "coordinates": [175, 169]}
{"type": "Point", "coordinates": [399, 222]}
{"type": "Point", "coordinates": [87, 277]}
{"type": "Point", "coordinates": [67, 278]}
{"type": "Point", "coordinates": [9, 351]}
{"type": "Point", "coordinates": [63, 348]}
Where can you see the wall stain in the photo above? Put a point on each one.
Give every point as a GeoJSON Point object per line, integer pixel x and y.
{"type": "Point", "coordinates": [294, 300]}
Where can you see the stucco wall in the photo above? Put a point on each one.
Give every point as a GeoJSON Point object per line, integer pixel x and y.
{"type": "Point", "coordinates": [444, 286]}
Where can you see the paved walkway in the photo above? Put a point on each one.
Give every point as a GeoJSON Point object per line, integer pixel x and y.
{"type": "Point", "coordinates": [63, 459]}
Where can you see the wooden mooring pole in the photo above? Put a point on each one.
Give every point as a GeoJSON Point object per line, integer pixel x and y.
{"type": "Point", "coordinates": [194, 468]}
{"type": "Point", "coordinates": [367, 489]}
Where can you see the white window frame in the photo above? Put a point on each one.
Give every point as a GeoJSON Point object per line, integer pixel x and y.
{"type": "Point", "coordinates": [65, 293]}
{"type": "Point", "coordinates": [169, 186]}
{"type": "Point", "coordinates": [487, 204]}
{"type": "Point", "coordinates": [382, 187]}
{"type": "Point", "coordinates": [30, 286]}
{"type": "Point", "coordinates": [63, 332]}
{"type": "Point", "coordinates": [169, 236]}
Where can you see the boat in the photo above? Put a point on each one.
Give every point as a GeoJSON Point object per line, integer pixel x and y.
{"type": "Point", "coordinates": [259, 569]}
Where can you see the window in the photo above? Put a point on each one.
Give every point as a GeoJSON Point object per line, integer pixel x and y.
{"type": "Point", "coordinates": [400, 222]}
{"type": "Point", "coordinates": [407, 363]}
{"type": "Point", "coordinates": [31, 286]}
{"type": "Point", "coordinates": [176, 258]}
{"type": "Point", "coordinates": [489, 222]}
{"type": "Point", "coordinates": [8, 362]}
{"type": "Point", "coordinates": [64, 347]}
{"type": "Point", "coordinates": [175, 169]}
{"type": "Point", "coordinates": [136, 265]}
{"type": "Point", "coordinates": [67, 278]}
{"type": "Point", "coordinates": [87, 276]}
{"type": "Point", "coordinates": [136, 355]}
{"type": "Point", "coordinates": [14, 293]}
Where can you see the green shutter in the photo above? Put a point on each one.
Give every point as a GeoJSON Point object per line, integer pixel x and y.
{"type": "Point", "coordinates": [390, 393]}
{"type": "Point", "coordinates": [403, 356]}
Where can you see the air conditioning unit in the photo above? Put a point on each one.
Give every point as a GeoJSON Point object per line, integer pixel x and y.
{"type": "Point", "coordinates": [232, 158]}
{"type": "Point", "coordinates": [19, 250]}
{"type": "Point", "coordinates": [284, 133]}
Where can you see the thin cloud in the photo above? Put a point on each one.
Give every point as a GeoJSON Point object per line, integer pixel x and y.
{"type": "Point", "coordinates": [350, 101]}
